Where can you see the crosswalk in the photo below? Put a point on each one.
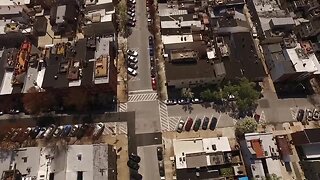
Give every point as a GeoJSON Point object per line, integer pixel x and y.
{"type": "Point", "coordinates": [115, 128]}
{"type": "Point", "coordinates": [173, 122]}
{"type": "Point", "coordinates": [294, 112]}
{"type": "Point", "coordinates": [143, 97]}
{"type": "Point", "coordinates": [163, 111]}
{"type": "Point", "coordinates": [123, 107]}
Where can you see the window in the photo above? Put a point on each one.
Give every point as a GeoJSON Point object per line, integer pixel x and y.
{"type": "Point", "coordinates": [25, 159]}
{"type": "Point", "coordinates": [80, 175]}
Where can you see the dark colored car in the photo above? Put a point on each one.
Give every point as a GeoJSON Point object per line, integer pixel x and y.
{"type": "Point", "coordinates": [74, 130]}
{"type": "Point", "coordinates": [82, 131]}
{"type": "Point", "coordinates": [197, 124]}
{"type": "Point", "coordinates": [160, 153]}
{"type": "Point", "coordinates": [213, 123]}
{"type": "Point", "coordinates": [131, 23]}
{"type": "Point", "coordinates": [300, 115]}
{"type": "Point", "coordinates": [135, 175]}
{"type": "Point", "coordinates": [161, 169]}
{"type": "Point", "coordinates": [151, 51]}
{"type": "Point", "coordinates": [133, 165]}
{"type": "Point", "coordinates": [150, 41]}
{"type": "Point", "coordinates": [66, 130]}
{"type": "Point", "coordinates": [205, 123]}
{"type": "Point", "coordinates": [90, 130]}
{"type": "Point", "coordinates": [135, 158]}
{"type": "Point", "coordinates": [188, 124]}
{"type": "Point", "coordinates": [34, 132]}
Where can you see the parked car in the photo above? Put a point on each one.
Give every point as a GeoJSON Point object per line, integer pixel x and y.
{"type": "Point", "coordinates": [135, 158]}
{"type": "Point", "coordinates": [132, 10]}
{"type": "Point", "coordinates": [132, 14]}
{"type": "Point", "coordinates": [57, 132]}
{"type": "Point", "coordinates": [161, 169]}
{"type": "Point", "coordinates": [196, 101]}
{"type": "Point", "coordinates": [197, 124]}
{"type": "Point", "coordinates": [300, 115]}
{"type": "Point", "coordinates": [180, 126]}
{"type": "Point", "coordinates": [66, 131]}
{"type": "Point", "coordinates": [132, 72]}
{"type": "Point", "coordinates": [34, 132]}
{"type": "Point", "coordinates": [151, 51]}
{"type": "Point", "coordinates": [25, 134]}
{"type": "Point", "coordinates": [316, 114]}
{"type": "Point", "coordinates": [133, 165]}
{"type": "Point", "coordinates": [133, 65]}
{"type": "Point", "coordinates": [205, 123]}
{"type": "Point", "coordinates": [133, 19]}
{"type": "Point", "coordinates": [15, 135]}
{"type": "Point", "coordinates": [41, 132]}
{"type": "Point", "coordinates": [98, 130]}
{"type": "Point", "coordinates": [309, 114]}
{"type": "Point", "coordinates": [151, 41]}
{"type": "Point", "coordinates": [132, 59]}
{"type": "Point", "coordinates": [171, 102]}
{"type": "Point", "coordinates": [74, 130]}
{"type": "Point", "coordinates": [151, 59]}
{"type": "Point", "coordinates": [49, 131]}
{"type": "Point", "coordinates": [135, 175]}
{"type": "Point", "coordinates": [82, 131]}
{"type": "Point", "coordinates": [213, 123]}
{"type": "Point", "coordinates": [132, 53]}
{"type": "Point", "coordinates": [188, 124]}
{"type": "Point", "coordinates": [131, 23]}
{"type": "Point", "coordinates": [132, 1]}
{"type": "Point", "coordinates": [160, 153]}
{"type": "Point", "coordinates": [154, 83]}
{"type": "Point", "coordinates": [183, 101]}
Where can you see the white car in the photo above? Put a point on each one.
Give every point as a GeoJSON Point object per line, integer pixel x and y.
{"type": "Point", "coordinates": [98, 130]}
{"type": "Point", "coordinates": [133, 59]}
{"type": "Point", "coordinates": [132, 14]}
{"type": "Point", "coordinates": [180, 126]}
{"type": "Point", "coordinates": [132, 71]}
{"type": "Point", "coordinates": [49, 131]}
{"type": "Point", "coordinates": [132, 1]}
{"type": "Point", "coordinates": [132, 53]}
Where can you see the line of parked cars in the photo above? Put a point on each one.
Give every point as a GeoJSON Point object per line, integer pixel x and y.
{"type": "Point", "coordinates": [53, 131]}
{"type": "Point", "coordinates": [160, 162]}
{"type": "Point", "coordinates": [132, 60]}
{"type": "Point", "coordinates": [148, 6]}
{"type": "Point", "coordinates": [308, 114]}
{"type": "Point", "coordinates": [133, 164]}
{"type": "Point", "coordinates": [203, 123]}
{"type": "Point", "coordinates": [183, 101]}
{"type": "Point", "coordinates": [131, 11]}
{"type": "Point", "coordinates": [152, 63]}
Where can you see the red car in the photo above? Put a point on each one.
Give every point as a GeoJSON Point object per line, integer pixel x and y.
{"type": "Point", "coordinates": [188, 124]}
{"type": "Point", "coordinates": [154, 83]}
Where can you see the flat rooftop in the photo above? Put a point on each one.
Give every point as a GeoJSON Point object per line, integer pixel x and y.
{"type": "Point", "coordinates": [175, 39]}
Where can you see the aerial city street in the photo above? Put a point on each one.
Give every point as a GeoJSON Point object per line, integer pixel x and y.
{"type": "Point", "coordinates": [159, 89]}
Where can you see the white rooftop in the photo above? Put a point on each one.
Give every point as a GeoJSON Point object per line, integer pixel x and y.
{"type": "Point", "coordinates": [13, 2]}
{"type": "Point", "coordinates": [174, 39]}
{"type": "Point", "coordinates": [308, 63]}
{"type": "Point", "coordinates": [221, 144]}
{"type": "Point", "coordinates": [211, 54]}
{"type": "Point", "coordinates": [182, 147]}
{"type": "Point", "coordinates": [6, 87]}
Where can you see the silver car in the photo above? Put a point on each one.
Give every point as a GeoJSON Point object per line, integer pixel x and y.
{"type": "Point", "coordinates": [180, 126]}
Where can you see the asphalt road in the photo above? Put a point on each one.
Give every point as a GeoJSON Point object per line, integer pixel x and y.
{"type": "Point", "coordinates": [138, 40]}
{"type": "Point", "coordinates": [146, 116]}
{"type": "Point", "coordinates": [149, 167]}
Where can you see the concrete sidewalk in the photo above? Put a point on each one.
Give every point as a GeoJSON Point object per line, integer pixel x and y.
{"type": "Point", "coordinates": [122, 78]}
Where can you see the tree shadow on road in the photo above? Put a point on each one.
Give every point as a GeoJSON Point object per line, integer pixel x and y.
{"type": "Point", "coordinates": [206, 105]}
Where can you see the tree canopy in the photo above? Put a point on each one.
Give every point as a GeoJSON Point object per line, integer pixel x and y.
{"type": "Point", "coordinates": [244, 126]}
{"type": "Point", "coordinates": [187, 93]}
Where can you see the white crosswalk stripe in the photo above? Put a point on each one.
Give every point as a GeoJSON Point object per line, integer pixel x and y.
{"type": "Point", "coordinates": [143, 97]}
{"type": "Point", "coordinates": [163, 111]}
{"type": "Point", "coordinates": [173, 122]}
{"type": "Point", "coordinates": [122, 128]}
{"type": "Point", "coordinates": [110, 128]}
{"type": "Point", "coordinates": [294, 112]}
{"type": "Point", "coordinates": [123, 107]}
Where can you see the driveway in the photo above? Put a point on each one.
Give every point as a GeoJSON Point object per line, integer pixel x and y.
{"type": "Point", "coordinates": [138, 41]}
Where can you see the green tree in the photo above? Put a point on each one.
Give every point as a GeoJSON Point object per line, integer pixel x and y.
{"type": "Point", "coordinates": [247, 96]}
{"type": "Point", "coordinates": [77, 99]}
{"type": "Point", "coordinates": [207, 95]}
{"type": "Point", "coordinates": [187, 93]}
{"type": "Point", "coordinates": [244, 126]}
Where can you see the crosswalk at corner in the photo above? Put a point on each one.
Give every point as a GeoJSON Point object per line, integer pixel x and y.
{"type": "Point", "coordinates": [163, 111]}
{"type": "Point", "coordinates": [143, 97]}
{"type": "Point", "coordinates": [173, 122]}
{"type": "Point", "coordinates": [123, 107]}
